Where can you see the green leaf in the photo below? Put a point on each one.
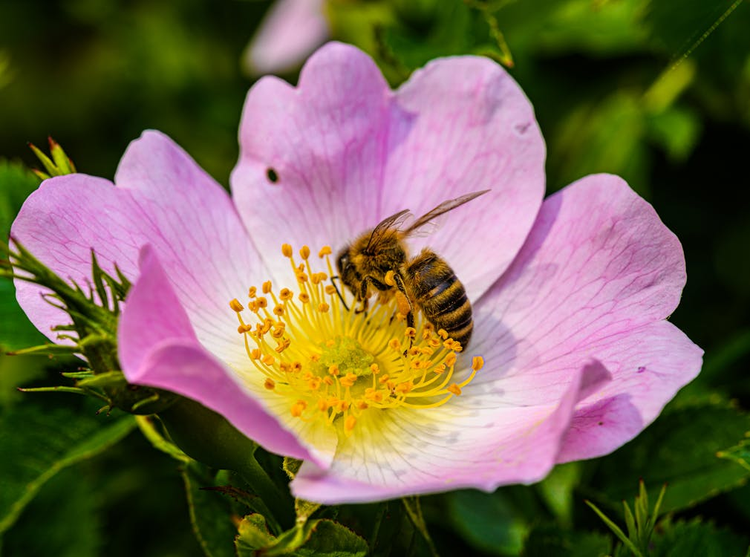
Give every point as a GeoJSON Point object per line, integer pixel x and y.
{"type": "Point", "coordinates": [67, 511]}
{"type": "Point", "coordinates": [42, 441]}
{"type": "Point", "coordinates": [314, 538]}
{"type": "Point", "coordinates": [698, 538]}
{"type": "Point", "coordinates": [557, 490]}
{"type": "Point", "coordinates": [210, 514]}
{"type": "Point", "coordinates": [679, 449]}
{"type": "Point", "coordinates": [253, 535]}
{"type": "Point", "coordinates": [16, 184]}
{"type": "Point", "coordinates": [487, 521]}
{"type": "Point", "coordinates": [331, 539]}
{"type": "Point", "coordinates": [16, 331]}
{"type": "Point", "coordinates": [547, 540]}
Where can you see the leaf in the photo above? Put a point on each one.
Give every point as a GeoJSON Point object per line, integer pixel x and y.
{"type": "Point", "coordinates": [314, 538]}
{"type": "Point", "coordinates": [487, 521]}
{"type": "Point", "coordinates": [16, 184]}
{"type": "Point", "coordinates": [557, 490]}
{"type": "Point", "coordinates": [16, 331]}
{"type": "Point", "coordinates": [67, 511]}
{"type": "Point", "coordinates": [547, 540]}
{"type": "Point", "coordinates": [43, 441]}
{"type": "Point", "coordinates": [679, 449]}
{"type": "Point", "coordinates": [210, 514]}
{"type": "Point", "coordinates": [698, 538]}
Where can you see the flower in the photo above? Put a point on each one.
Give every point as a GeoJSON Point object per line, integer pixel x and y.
{"type": "Point", "coordinates": [571, 357]}
{"type": "Point", "coordinates": [288, 34]}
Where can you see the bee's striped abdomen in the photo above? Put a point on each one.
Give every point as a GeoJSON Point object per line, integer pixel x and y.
{"type": "Point", "coordinates": [441, 296]}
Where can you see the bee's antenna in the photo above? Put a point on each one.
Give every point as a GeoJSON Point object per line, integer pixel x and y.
{"type": "Point", "coordinates": [338, 292]}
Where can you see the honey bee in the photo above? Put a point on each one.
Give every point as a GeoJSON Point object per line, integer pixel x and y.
{"type": "Point", "coordinates": [378, 258]}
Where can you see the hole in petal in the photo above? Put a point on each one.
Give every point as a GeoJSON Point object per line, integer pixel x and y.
{"type": "Point", "coordinates": [272, 175]}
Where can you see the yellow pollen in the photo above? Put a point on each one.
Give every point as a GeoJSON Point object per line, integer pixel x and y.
{"type": "Point", "coordinates": [335, 365]}
{"type": "Point", "coordinates": [348, 380]}
{"type": "Point", "coordinates": [298, 407]}
{"type": "Point", "coordinates": [349, 423]}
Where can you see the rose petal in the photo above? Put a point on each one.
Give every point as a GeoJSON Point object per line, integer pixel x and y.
{"type": "Point", "coordinates": [291, 30]}
{"type": "Point", "coordinates": [162, 198]}
{"type": "Point", "coordinates": [158, 348]}
{"type": "Point", "coordinates": [348, 152]}
{"type": "Point", "coordinates": [470, 127]}
{"type": "Point", "coordinates": [401, 452]}
{"type": "Point", "coordinates": [595, 278]}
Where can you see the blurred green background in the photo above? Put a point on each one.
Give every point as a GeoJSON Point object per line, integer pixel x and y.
{"type": "Point", "coordinates": [656, 91]}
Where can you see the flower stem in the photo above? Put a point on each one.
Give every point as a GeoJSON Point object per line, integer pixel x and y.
{"type": "Point", "coordinates": [278, 502]}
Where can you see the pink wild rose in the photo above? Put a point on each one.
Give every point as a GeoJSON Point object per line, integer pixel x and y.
{"type": "Point", "coordinates": [570, 293]}
{"type": "Point", "coordinates": [288, 34]}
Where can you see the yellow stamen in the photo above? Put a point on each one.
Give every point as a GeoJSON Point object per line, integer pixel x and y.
{"type": "Point", "coordinates": [355, 363]}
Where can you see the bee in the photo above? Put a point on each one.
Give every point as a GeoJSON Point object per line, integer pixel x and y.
{"type": "Point", "coordinates": [379, 259]}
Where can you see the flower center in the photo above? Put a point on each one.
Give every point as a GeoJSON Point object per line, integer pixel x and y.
{"type": "Point", "coordinates": [333, 362]}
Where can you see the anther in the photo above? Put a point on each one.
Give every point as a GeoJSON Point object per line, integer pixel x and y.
{"type": "Point", "coordinates": [286, 294]}
{"type": "Point", "coordinates": [304, 252]}
{"type": "Point", "coordinates": [268, 360]}
{"type": "Point", "coordinates": [267, 287]}
{"type": "Point", "coordinates": [333, 369]}
{"type": "Point", "coordinates": [349, 423]}
{"type": "Point", "coordinates": [298, 407]}
{"type": "Point", "coordinates": [323, 307]}
{"type": "Point", "coordinates": [450, 359]}
{"type": "Point", "coordinates": [286, 250]}
{"type": "Point", "coordinates": [325, 250]}
{"type": "Point", "coordinates": [252, 292]}
{"type": "Point", "coordinates": [348, 380]}
{"type": "Point", "coordinates": [477, 363]}
{"type": "Point", "coordinates": [455, 389]}
{"type": "Point", "coordinates": [278, 309]}
{"type": "Point", "coordinates": [304, 297]}
{"type": "Point", "coordinates": [262, 302]}
{"type": "Point", "coordinates": [269, 384]}
{"type": "Point", "coordinates": [236, 305]}
{"type": "Point", "coordinates": [394, 344]}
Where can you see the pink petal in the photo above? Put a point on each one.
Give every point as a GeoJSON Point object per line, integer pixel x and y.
{"type": "Point", "coordinates": [429, 451]}
{"type": "Point", "coordinates": [158, 348]}
{"type": "Point", "coordinates": [348, 152]}
{"type": "Point", "coordinates": [596, 277]}
{"type": "Point", "coordinates": [162, 198]}
{"type": "Point", "coordinates": [291, 30]}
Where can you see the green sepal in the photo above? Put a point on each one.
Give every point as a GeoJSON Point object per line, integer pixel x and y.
{"type": "Point", "coordinates": [59, 165]}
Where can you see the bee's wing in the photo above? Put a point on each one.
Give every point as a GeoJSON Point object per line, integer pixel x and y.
{"type": "Point", "coordinates": [441, 209]}
{"type": "Point", "coordinates": [394, 221]}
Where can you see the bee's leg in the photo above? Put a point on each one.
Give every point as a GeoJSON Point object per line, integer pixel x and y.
{"type": "Point", "coordinates": [363, 288]}
{"type": "Point", "coordinates": [339, 292]}
{"type": "Point", "coordinates": [410, 313]}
